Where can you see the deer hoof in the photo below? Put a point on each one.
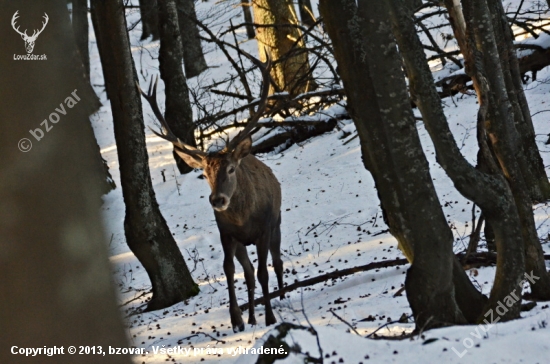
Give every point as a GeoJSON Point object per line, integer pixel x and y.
{"type": "Point", "coordinates": [238, 328]}
{"type": "Point", "coordinates": [252, 320]}
{"type": "Point", "coordinates": [270, 320]}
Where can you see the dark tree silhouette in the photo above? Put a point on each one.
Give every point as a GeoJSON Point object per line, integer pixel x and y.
{"type": "Point", "coordinates": [149, 19]}
{"type": "Point", "coordinates": [56, 283]}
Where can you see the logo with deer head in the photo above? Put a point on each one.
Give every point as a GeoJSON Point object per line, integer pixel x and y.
{"type": "Point", "coordinates": [29, 39]}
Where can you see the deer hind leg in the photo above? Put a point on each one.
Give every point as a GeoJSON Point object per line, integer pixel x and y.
{"type": "Point", "coordinates": [248, 268]}
{"type": "Point", "coordinates": [275, 248]}
{"type": "Point", "coordinates": [262, 247]}
{"type": "Point", "coordinates": [229, 247]}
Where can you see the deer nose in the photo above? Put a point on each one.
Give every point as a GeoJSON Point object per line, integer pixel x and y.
{"type": "Point", "coordinates": [219, 202]}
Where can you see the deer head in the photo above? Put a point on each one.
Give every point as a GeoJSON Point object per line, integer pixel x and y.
{"type": "Point", "coordinates": [220, 168]}
{"type": "Point", "coordinates": [29, 40]}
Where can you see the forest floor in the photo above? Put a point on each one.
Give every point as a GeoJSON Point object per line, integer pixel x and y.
{"type": "Point", "coordinates": [331, 220]}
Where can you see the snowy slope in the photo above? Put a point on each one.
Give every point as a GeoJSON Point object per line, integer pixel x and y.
{"type": "Point", "coordinates": [330, 220]}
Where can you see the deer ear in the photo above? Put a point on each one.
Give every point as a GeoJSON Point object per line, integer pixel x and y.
{"type": "Point", "coordinates": [243, 149]}
{"type": "Point", "coordinates": [194, 161]}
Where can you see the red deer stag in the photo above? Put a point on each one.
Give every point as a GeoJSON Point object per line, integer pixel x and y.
{"type": "Point", "coordinates": [246, 198]}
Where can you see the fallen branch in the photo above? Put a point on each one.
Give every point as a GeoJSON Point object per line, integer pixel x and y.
{"type": "Point", "coordinates": [344, 321]}
{"type": "Point", "coordinates": [296, 133]}
{"type": "Point", "coordinates": [180, 341]}
{"type": "Point", "coordinates": [326, 277]}
{"type": "Point", "coordinates": [282, 97]}
{"type": "Point", "coordinates": [534, 62]}
{"type": "Point", "coordinates": [479, 258]}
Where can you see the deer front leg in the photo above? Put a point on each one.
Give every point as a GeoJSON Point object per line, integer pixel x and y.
{"type": "Point", "coordinates": [248, 268]}
{"type": "Point", "coordinates": [229, 247]}
{"type": "Point", "coordinates": [263, 277]}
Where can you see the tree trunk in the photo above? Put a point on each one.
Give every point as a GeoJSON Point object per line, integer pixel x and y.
{"type": "Point", "coordinates": [392, 153]}
{"type": "Point", "coordinates": [412, 5]}
{"type": "Point", "coordinates": [100, 46]}
{"type": "Point", "coordinates": [489, 191]}
{"type": "Point", "coordinates": [56, 286]}
{"type": "Point", "coordinates": [290, 70]}
{"type": "Point", "coordinates": [147, 233]}
{"type": "Point", "coordinates": [102, 175]}
{"type": "Point", "coordinates": [80, 28]}
{"type": "Point", "coordinates": [149, 19]}
{"type": "Point", "coordinates": [193, 58]}
{"type": "Point", "coordinates": [247, 14]}
{"type": "Point", "coordinates": [306, 12]}
{"type": "Point", "coordinates": [179, 114]}
{"type": "Point", "coordinates": [535, 174]}
{"type": "Point", "coordinates": [504, 138]}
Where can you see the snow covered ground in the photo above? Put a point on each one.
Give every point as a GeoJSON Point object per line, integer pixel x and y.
{"type": "Point", "coordinates": [330, 220]}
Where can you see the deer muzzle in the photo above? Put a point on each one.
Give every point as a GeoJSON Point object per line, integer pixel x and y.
{"type": "Point", "coordinates": [219, 202]}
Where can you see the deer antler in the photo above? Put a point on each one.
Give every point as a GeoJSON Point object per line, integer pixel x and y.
{"type": "Point", "coordinates": [36, 33]}
{"type": "Point", "coordinates": [13, 19]}
{"type": "Point", "coordinates": [151, 97]}
{"type": "Point", "coordinates": [265, 67]}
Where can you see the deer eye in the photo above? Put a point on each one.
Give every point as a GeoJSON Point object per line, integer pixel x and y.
{"type": "Point", "coordinates": [231, 170]}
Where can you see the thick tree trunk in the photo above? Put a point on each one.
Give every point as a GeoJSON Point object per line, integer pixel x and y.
{"type": "Point", "coordinates": [392, 153]}
{"type": "Point", "coordinates": [80, 28]}
{"type": "Point", "coordinates": [538, 184]}
{"type": "Point", "coordinates": [193, 58]}
{"type": "Point", "coordinates": [306, 12]}
{"type": "Point", "coordinates": [56, 286]}
{"type": "Point", "coordinates": [489, 191]}
{"type": "Point", "coordinates": [247, 14]}
{"type": "Point", "coordinates": [147, 233]}
{"type": "Point", "coordinates": [149, 19]}
{"type": "Point", "coordinates": [290, 71]}
{"type": "Point", "coordinates": [504, 138]}
{"type": "Point", "coordinates": [179, 114]}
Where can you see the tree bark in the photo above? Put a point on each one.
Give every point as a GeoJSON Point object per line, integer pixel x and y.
{"type": "Point", "coordinates": [247, 15]}
{"type": "Point", "coordinates": [147, 233]}
{"type": "Point", "coordinates": [193, 58]}
{"type": "Point", "coordinates": [100, 46]}
{"type": "Point", "coordinates": [412, 5]}
{"type": "Point", "coordinates": [306, 12]}
{"type": "Point", "coordinates": [489, 191]}
{"type": "Point", "coordinates": [392, 153]}
{"type": "Point", "coordinates": [534, 172]}
{"type": "Point", "coordinates": [149, 19]}
{"type": "Point", "coordinates": [56, 282]}
{"type": "Point", "coordinates": [504, 138]}
{"type": "Point", "coordinates": [80, 28]}
{"type": "Point", "coordinates": [179, 114]}
{"type": "Point", "coordinates": [290, 70]}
